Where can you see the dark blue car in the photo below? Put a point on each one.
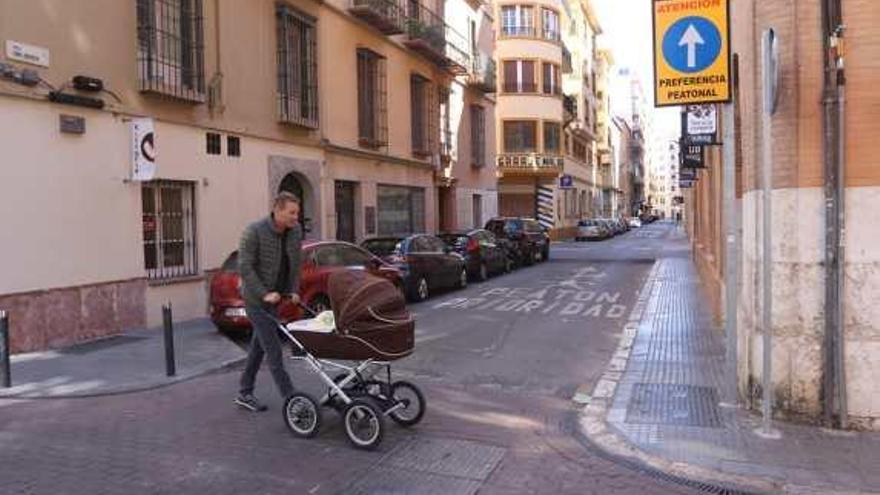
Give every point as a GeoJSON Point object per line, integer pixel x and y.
{"type": "Point", "coordinates": [484, 255]}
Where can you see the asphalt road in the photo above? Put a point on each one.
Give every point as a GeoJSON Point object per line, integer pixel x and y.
{"type": "Point", "coordinates": [499, 363]}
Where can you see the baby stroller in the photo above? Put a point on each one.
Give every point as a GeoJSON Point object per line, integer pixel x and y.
{"type": "Point", "coordinates": [369, 324]}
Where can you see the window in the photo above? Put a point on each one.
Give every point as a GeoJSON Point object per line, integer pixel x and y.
{"type": "Point", "coordinates": [423, 124]}
{"type": "Point", "coordinates": [212, 143]}
{"type": "Point", "coordinates": [372, 99]}
{"type": "Point", "coordinates": [519, 76]}
{"type": "Point", "coordinates": [580, 150]}
{"type": "Point", "coordinates": [552, 133]}
{"type": "Point", "coordinates": [446, 143]}
{"type": "Point", "coordinates": [233, 146]}
{"type": "Point", "coordinates": [297, 67]}
{"type": "Point", "coordinates": [517, 20]}
{"type": "Point", "coordinates": [169, 229]}
{"type": "Point", "coordinates": [520, 136]}
{"type": "Point", "coordinates": [550, 24]}
{"type": "Point", "coordinates": [171, 48]}
{"type": "Point", "coordinates": [552, 83]}
{"type": "Point", "coordinates": [401, 210]}
{"type": "Point", "coordinates": [478, 136]}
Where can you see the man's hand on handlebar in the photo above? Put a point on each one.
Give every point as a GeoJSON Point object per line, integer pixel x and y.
{"type": "Point", "coordinates": [275, 298]}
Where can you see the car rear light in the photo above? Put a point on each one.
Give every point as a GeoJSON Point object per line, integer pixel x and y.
{"type": "Point", "coordinates": [472, 245]}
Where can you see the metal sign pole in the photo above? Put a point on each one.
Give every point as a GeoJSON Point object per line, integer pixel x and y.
{"type": "Point", "coordinates": [770, 61]}
{"type": "Point", "coordinates": [731, 254]}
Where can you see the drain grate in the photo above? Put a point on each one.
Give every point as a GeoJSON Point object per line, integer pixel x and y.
{"type": "Point", "coordinates": [101, 344]}
{"type": "Point", "coordinates": [668, 404]}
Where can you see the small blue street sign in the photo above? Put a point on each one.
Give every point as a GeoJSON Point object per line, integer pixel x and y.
{"type": "Point", "coordinates": [691, 44]}
{"type": "Point", "coordinates": [566, 181]}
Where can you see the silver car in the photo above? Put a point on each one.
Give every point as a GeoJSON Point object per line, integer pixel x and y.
{"type": "Point", "coordinates": [592, 230]}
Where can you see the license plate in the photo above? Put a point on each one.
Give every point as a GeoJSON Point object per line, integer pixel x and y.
{"type": "Point", "coordinates": [235, 312]}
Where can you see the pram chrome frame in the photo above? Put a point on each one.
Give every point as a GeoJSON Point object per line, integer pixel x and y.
{"type": "Point", "coordinates": [361, 373]}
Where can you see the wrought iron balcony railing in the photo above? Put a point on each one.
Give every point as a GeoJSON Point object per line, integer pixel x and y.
{"type": "Point", "coordinates": [433, 38]}
{"type": "Point", "coordinates": [385, 15]}
{"type": "Point", "coordinates": [483, 73]}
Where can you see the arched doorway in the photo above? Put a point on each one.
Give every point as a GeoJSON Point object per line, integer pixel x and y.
{"type": "Point", "coordinates": [293, 184]}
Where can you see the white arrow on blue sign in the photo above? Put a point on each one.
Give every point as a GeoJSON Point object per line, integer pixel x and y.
{"type": "Point", "coordinates": [691, 44]}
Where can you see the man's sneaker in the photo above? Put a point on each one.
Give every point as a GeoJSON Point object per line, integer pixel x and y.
{"type": "Point", "coordinates": [250, 403]}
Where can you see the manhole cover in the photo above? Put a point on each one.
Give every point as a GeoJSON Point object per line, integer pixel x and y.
{"type": "Point", "coordinates": [459, 458]}
{"type": "Point", "coordinates": [682, 405]}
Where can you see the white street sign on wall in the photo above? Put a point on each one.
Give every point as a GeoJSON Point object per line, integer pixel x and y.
{"type": "Point", "coordinates": [143, 143]}
{"type": "Point", "coordinates": [701, 119]}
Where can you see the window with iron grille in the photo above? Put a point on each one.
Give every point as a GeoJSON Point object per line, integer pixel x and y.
{"type": "Point", "coordinates": [169, 229]}
{"type": "Point", "coordinates": [400, 209]}
{"type": "Point", "coordinates": [422, 124]}
{"type": "Point", "coordinates": [233, 146]}
{"type": "Point", "coordinates": [171, 59]}
{"type": "Point", "coordinates": [212, 143]}
{"type": "Point", "coordinates": [552, 135]}
{"type": "Point", "coordinates": [478, 136]}
{"type": "Point", "coordinates": [552, 82]}
{"type": "Point", "coordinates": [372, 99]}
{"type": "Point", "coordinates": [520, 136]}
{"type": "Point", "coordinates": [297, 67]}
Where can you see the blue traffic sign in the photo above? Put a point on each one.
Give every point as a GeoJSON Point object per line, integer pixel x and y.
{"type": "Point", "coordinates": [691, 44]}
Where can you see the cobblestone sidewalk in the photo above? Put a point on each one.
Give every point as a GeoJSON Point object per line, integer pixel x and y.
{"type": "Point", "coordinates": [665, 410]}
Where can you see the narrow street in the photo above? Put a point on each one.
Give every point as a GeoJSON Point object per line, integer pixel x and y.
{"type": "Point", "coordinates": [499, 362]}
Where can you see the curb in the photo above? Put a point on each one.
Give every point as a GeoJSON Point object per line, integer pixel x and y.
{"type": "Point", "coordinates": [594, 429]}
{"type": "Point", "coordinates": [128, 389]}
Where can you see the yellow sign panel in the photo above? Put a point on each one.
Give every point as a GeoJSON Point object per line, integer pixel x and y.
{"type": "Point", "coordinates": [691, 52]}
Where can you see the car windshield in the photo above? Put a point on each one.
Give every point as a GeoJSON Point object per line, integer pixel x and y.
{"type": "Point", "coordinates": [586, 223]}
{"type": "Point", "coordinates": [455, 241]}
{"type": "Point", "coordinates": [231, 263]}
{"type": "Point", "coordinates": [382, 247]}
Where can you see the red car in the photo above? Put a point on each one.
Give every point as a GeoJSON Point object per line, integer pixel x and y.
{"type": "Point", "coordinates": [319, 260]}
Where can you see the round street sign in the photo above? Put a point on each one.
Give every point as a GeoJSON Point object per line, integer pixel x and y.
{"type": "Point", "coordinates": [691, 44]}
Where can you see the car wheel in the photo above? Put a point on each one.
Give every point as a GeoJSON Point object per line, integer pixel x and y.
{"type": "Point", "coordinates": [463, 279]}
{"type": "Point", "coordinates": [421, 290]}
{"type": "Point", "coordinates": [508, 265]}
{"type": "Point", "coordinates": [484, 272]}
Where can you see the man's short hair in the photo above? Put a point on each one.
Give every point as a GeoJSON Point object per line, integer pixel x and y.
{"type": "Point", "coordinates": [284, 197]}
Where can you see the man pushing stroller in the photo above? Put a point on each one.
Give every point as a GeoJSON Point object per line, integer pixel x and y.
{"type": "Point", "coordinates": [269, 264]}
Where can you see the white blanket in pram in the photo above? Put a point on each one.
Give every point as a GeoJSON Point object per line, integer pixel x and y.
{"type": "Point", "coordinates": [325, 322]}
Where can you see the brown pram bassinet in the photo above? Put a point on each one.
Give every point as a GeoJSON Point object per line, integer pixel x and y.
{"type": "Point", "coordinates": [372, 321]}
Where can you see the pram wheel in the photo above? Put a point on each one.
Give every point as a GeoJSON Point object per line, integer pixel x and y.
{"type": "Point", "coordinates": [412, 400]}
{"type": "Point", "coordinates": [302, 415]}
{"type": "Point", "coordinates": [364, 423]}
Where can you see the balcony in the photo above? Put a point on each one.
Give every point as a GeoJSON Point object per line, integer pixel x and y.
{"type": "Point", "coordinates": [428, 35]}
{"type": "Point", "coordinates": [570, 108]}
{"type": "Point", "coordinates": [385, 15]}
{"type": "Point", "coordinates": [530, 164]}
{"type": "Point", "coordinates": [483, 73]}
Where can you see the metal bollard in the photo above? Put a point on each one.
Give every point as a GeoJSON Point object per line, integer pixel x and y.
{"type": "Point", "coordinates": [4, 350]}
{"type": "Point", "coordinates": [169, 339]}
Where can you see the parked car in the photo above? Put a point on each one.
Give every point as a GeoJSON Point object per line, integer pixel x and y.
{"type": "Point", "coordinates": [530, 242]}
{"type": "Point", "coordinates": [613, 230]}
{"type": "Point", "coordinates": [483, 253]}
{"type": "Point", "coordinates": [634, 222]}
{"type": "Point", "coordinates": [426, 262]}
{"type": "Point", "coordinates": [319, 260]}
{"type": "Point", "coordinates": [592, 230]}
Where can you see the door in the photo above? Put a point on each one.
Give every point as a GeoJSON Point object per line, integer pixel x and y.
{"type": "Point", "coordinates": [494, 253]}
{"type": "Point", "coordinates": [345, 211]}
{"type": "Point", "coordinates": [448, 264]}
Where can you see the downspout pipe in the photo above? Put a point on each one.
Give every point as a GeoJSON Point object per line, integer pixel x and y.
{"type": "Point", "coordinates": [834, 379]}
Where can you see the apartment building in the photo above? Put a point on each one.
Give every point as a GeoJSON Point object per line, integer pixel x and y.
{"type": "Point", "coordinates": [157, 129]}
{"type": "Point", "coordinates": [545, 111]}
